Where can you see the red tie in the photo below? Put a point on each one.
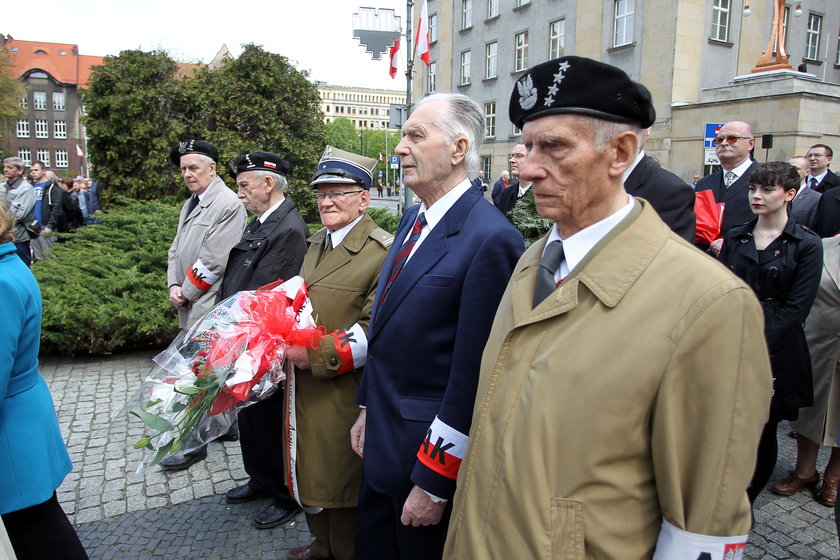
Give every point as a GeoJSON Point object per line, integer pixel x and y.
{"type": "Point", "coordinates": [402, 256]}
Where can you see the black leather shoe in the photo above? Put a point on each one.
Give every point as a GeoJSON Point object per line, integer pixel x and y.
{"type": "Point", "coordinates": [242, 494]}
{"type": "Point", "coordinates": [183, 461]}
{"type": "Point", "coordinates": [272, 516]}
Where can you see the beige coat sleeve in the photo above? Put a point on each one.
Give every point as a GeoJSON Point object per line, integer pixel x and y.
{"type": "Point", "coordinates": [709, 413]}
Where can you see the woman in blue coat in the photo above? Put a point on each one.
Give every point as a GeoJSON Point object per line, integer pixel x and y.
{"type": "Point", "coordinates": [781, 261]}
{"type": "Point", "coordinates": [33, 457]}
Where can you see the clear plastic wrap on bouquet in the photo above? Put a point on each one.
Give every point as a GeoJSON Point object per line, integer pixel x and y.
{"type": "Point", "coordinates": [229, 359]}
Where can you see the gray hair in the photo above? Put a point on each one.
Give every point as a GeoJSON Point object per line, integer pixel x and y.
{"type": "Point", "coordinates": [603, 131]}
{"type": "Point", "coordinates": [279, 180]}
{"type": "Point", "coordinates": [16, 161]}
{"type": "Point", "coordinates": [464, 119]}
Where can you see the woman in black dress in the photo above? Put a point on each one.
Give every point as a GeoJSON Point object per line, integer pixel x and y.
{"type": "Point", "coordinates": [781, 261]}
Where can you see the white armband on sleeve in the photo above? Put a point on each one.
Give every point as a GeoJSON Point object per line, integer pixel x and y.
{"type": "Point", "coordinates": [676, 544]}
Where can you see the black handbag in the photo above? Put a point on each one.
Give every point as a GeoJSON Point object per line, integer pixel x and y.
{"type": "Point", "coordinates": [33, 228]}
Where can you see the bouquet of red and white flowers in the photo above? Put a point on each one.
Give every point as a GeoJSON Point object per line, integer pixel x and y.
{"type": "Point", "coordinates": [231, 358]}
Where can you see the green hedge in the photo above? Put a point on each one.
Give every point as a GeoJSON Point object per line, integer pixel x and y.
{"type": "Point", "coordinates": [106, 288]}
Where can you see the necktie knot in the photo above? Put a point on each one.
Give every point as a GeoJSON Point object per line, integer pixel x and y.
{"type": "Point", "coordinates": [550, 262]}
{"type": "Point", "coordinates": [730, 178]}
{"type": "Point", "coordinates": [814, 183]}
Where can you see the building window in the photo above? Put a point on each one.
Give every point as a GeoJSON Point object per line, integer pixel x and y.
{"type": "Point", "coordinates": [490, 55]}
{"type": "Point", "coordinates": [59, 129]}
{"type": "Point", "coordinates": [623, 22]}
{"type": "Point", "coordinates": [24, 104]}
{"type": "Point", "coordinates": [39, 100]}
{"type": "Point", "coordinates": [58, 100]}
{"type": "Point", "coordinates": [556, 38]}
{"type": "Point", "coordinates": [42, 129]}
{"type": "Point", "coordinates": [521, 51]}
{"type": "Point", "coordinates": [433, 28]}
{"type": "Point", "coordinates": [720, 20]}
{"type": "Point", "coordinates": [26, 155]}
{"type": "Point", "coordinates": [23, 128]}
{"type": "Point", "coordinates": [492, 8]}
{"type": "Point", "coordinates": [517, 131]}
{"type": "Point", "coordinates": [43, 155]}
{"type": "Point", "coordinates": [61, 158]}
{"type": "Point", "coordinates": [432, 81]}
{"type": "Point", "coordinates": [812, 37]}
{"type": "Point", "coordinates": [465, 68]}
{"type": "Point", "coordinates": [520, 3]}
{"type": "Point", "coordinates": [490, 119]}
{"type": "Point", "coordinates": [466, 14]}
{"type": "Point", "coordinates": [487, 167]}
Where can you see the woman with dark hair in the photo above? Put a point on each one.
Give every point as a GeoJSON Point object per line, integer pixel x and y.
{"type": "Point", "coordinates": [33, 457]}
{"type": "Point", "coordinates": [781, 261]}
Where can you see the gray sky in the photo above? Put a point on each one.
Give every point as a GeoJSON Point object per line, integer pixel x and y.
{"type": "Point", "coordinates": [315, 34]}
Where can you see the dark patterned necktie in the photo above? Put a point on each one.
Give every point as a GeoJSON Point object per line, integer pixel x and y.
{"type": "Point", "coordinates": [550, 262]}
{"type": "Point", "coordinates": [403, 254]}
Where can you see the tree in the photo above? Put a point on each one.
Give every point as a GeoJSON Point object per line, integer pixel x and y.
{"type": "Point", "coordinates": [132, 122]}
{"type": "Point", "coordinates": [11, 92]}
{"type": "Point", "coordinates": [342, 134]}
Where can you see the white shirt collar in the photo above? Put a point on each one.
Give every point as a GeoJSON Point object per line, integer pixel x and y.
{"type": "Point", "coordinates": [337, 236]}
{"type": "Point", "coordinates": [438, 210]}
{"type": "Point", "coordinates": [268, 212]}
{"type": "Point", "coordinates": [523, 189]}
{"type": "Point", "coordinates": [740, 170]}
{"type": "Point", "coordinates": [633, 165]}
{"type": "Point", "coordinates": [577, 246]}
{"type": "Point", "coordinates": [819, 177]}
{"type": "Point", "coordinates": [207, 190]}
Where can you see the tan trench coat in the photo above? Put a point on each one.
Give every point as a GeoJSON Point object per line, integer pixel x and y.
{"type": "Point", "coordinates": [208, 234]}
{"type": "Point", "coordinates": [635, 392]}
{"type": "Point", "coordinates": [341, 288]}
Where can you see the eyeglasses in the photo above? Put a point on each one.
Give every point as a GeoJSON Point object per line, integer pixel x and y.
{"type": "Point", "coordinates": [731, 138]}
{"type": "Point", "coordinates": [334, 195]}
{"type": "Point", "coordinates": [816, 156]}
{"type": "Point", "coordinates": [517, 156]}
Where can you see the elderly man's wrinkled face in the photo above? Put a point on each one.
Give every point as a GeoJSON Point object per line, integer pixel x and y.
{"type": "Point", "coordinates": [340, 204]}
{"type": "Point", "coordinates": [736, 141]}
{"type": "Point", "coordinates": [426, 155]}
{"type": "Point", "coordinates": [197, 172]}
{"type": "Point", "coordinates": [11, 171]}
{"type": "Point", "coordinates": [255, 191]}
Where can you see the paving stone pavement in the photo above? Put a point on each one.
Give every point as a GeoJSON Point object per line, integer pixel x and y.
{"type": "Point", "coordinates": [120, 515]}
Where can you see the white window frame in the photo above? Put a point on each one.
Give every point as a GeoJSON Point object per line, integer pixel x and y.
{"type": "Point", "coordinates": [520, 3]}
{"type": "Point", "coordinates": [59, 129]}
{"type": "Point", "coordinates": [43, 155]}
{"type": "Point", "coordinates": [623, 22]}
{"type": "Point", "coordinates": [62, 159]}
{"type": "Point", "coordinates": [24, 102]}
{"type": "Point", "coordinates": [557, 38]}
{"type": "Point", "coordinates": [490, 119]}
{"type": "Point", "coordinates": [22, 128]}
{"type": "Point", "coordinates": [492, 8]}
{"type": "Point", "coordinates": [39, 100]}
{"type": "Point", "coordinates": [431, 83]}
{"type": "Point", "coordinates": [520, 49]}
{"type": "Point", "coordinates": [433, 28]}
{"type": "Point", "coordinates": [466, 14]}
{"type": "Point", "coordinates": [26, 155]}
{"type": "Point", "coordinates": [466, 67]}
{"type": "Point", "coordinates": [59, 101]}
{"type": "Point", "coordinates": [721, 13]}
{"type": "Point", "coordinates": [42, 129]}
{"type": "Point", "coordinates": [491, 60]}
{"type": "Point", "coordinates": [812, 36]}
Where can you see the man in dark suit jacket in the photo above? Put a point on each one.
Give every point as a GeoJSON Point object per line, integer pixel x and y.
{"type": "Point", "coordinates": [803, 208]}
{"type": "Point", "coordinates": [438, 292]}
{"type": "Point", "coordinates": [828, 214]}
{"type": "Point", "coordinates": [669, 195]}
{"type": "Point", "coordinates": [730, 183]}
{"type": "Point", "coordinates": [516, 190]}
{"type": "Point", "coordinates": [480, 182]}
{"type": "Point", "coordinates": [822, 178]}
{"type": "Point", "coordinates": [500, 187]}
{"type": "Point", "coordinates": [272, 248]}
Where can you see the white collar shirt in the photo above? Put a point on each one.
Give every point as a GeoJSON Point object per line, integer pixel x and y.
{"type": "Point", "coordinates": [739, 170]}
{"type": "Point", "coordinates": [438, 210]}
{"type": "Point", "coordinates": [268, 212]}
{"type": "Point", "coordinates": [337, 236]}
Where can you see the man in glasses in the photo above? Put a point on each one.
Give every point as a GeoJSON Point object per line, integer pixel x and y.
{"type": "Point", "coordinates": [729, 184]}
{"type": "Point", "coordinates": [822, 178]}
{"type": "Point", "coordinates": [272, 248]}
{"type": "Point", "coordinates": [518, 188]}
{"type": "Point", "coordinates": [341, 269]}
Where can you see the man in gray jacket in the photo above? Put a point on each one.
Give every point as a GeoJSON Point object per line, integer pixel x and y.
{"type": "Point", "coordinates": [21, 197]}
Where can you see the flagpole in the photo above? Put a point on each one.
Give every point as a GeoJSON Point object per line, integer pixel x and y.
{"type": "Point", "coordinates": [409, 64]}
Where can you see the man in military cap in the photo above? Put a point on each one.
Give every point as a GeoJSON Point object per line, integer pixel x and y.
{"type": "Point", "coordinates": [341, 270]}
{"type": "Point", "coordinates": [666, 417]}
{"type": "Point", "coordinates": [210, 224]}
{"type": "Point", "coordinates": [272, 248]}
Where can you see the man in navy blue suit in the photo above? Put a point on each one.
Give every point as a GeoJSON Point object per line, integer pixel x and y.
{"type": "Point", "coordinates": [437, 295]}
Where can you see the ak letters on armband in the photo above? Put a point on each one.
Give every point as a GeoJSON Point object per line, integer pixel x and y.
{"type": "Point", "coordinates": [443, 449]}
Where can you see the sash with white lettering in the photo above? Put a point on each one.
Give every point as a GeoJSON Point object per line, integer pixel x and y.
{"type": "Point", "coordinates": [201, 277]}
{"type": "Point", "coordinates": [296, 291]}
{"type": "Point", "coordinates": [351, 347]}
{"type": "Point", "coordinates": [677, 543]}
{"type": "Point", "coordinates": [443, 449]}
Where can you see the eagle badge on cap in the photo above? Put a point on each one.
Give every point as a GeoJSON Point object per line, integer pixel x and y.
{"type": "Point", "coordinates": [186, 145]}
{"type": "Point", "coordinates": [527, 93]}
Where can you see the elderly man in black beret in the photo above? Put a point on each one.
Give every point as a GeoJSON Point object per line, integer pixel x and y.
{"type": "Point", "coordinates": [272, 248]}
{"type": "Point", "coordinates": [211, 222]}
{"type": "Point", "coordinates": [625, 381]}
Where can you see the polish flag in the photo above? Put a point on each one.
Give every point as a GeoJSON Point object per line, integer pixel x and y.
{"type": "Point", "coordinates": [392, 54]}
{"type": "Point", "coordinates": [422, 42]}
{"type": "Point", "coordinates": [79, 151]}
{"type": "Point", "coordinates": [381, 157]}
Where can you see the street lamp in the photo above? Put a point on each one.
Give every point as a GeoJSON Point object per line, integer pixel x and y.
{"type": "Point", "coordinates": [798, 11]}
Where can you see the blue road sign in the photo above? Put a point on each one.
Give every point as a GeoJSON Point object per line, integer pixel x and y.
{"type": "Point", "coordinates": [395, 160]}
{"type": "Point", "coordinates": [711, 131]}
